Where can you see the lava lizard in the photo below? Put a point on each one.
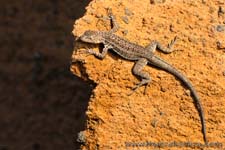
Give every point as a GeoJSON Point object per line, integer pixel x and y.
{"type": "Point", "coordinates": [142, 56]}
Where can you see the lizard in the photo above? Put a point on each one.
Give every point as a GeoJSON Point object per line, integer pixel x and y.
{"type": "Point", "coordinates": [141, 56]}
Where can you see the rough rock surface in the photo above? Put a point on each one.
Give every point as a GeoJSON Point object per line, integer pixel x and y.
{"type": "Point", "coordinates": [167, 112]}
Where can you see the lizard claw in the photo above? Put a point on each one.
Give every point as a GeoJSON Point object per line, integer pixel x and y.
{"type": "Point", "coordinates": [129, 94]}
{"type": "Point", "coordinates": [134, 89]}
{"type": "Point", "coordinates": [170, 45]}
{"type": "Point", "coordinates": [87, 51]}
{"type": "Point", "coordinates": [145, 90]}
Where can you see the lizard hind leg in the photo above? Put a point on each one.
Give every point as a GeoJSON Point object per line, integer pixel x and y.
{"type": "Point", "coordinates": [155, 44]}
{"type": "Point", "coordinates": [137, 70]}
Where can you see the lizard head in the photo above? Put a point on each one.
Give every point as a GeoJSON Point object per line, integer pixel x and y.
{"type": "Point", "coordinates": [91, 37]}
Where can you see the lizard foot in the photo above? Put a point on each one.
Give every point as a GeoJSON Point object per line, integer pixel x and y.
{"type": "Point", "coordinates": [87, 52]}
{"type": "Point", "coordinates": [138, 85]}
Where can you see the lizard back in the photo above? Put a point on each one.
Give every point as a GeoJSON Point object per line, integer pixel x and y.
{"type": "Point", "coordinates": [124, 48]}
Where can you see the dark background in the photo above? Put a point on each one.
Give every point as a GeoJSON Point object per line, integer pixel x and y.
{"type": "Point", "coordinates": [42, 105]}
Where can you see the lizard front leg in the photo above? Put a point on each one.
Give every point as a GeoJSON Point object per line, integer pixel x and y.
{"type": "Point", "coordinates": [97, 54]}
{"type": "Point", "coordinates": [137, 70]}
{"type": "Point", "coordinates": [155, 44]}
{"type": "Point", "coordinates": [115, 25]}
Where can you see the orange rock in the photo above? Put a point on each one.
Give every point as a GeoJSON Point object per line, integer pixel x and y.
{"type": "Point", "coordinates": [115, 119]}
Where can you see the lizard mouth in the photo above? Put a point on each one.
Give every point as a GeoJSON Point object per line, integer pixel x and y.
{"type": "Point", "coordinates": [83, 38]}
{"type": "Point", "coordinates": [77, 38]}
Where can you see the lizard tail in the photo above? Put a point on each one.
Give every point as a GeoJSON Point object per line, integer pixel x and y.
{"type": "Point", "coordinates": [160, 63]}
